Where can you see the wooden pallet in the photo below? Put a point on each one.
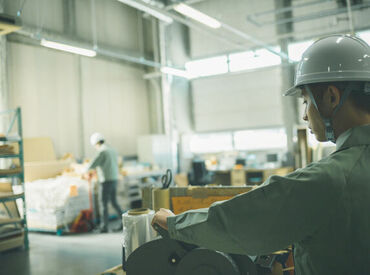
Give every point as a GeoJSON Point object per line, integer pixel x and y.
{"type": "Point", "coordinates": [11, 242]}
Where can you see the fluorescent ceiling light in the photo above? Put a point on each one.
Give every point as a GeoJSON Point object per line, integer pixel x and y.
{"type": "Point", "coordinates": [67, 48]}
{"type": "Point", "coordinates": [177, 72]}
{"type": "Point", "coordinates": [197, 15]}
{"type": "Point", "coordinates": [149, 10]}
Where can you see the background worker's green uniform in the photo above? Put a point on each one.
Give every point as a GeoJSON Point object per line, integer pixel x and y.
{"type": "Point", "coordinates": [107, 169]}
{"type": "Point", "coordinates": [323, 209]}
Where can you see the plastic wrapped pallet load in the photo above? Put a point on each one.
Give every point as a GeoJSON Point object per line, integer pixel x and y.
{"type": "Point", "coordinates": [55, 203]}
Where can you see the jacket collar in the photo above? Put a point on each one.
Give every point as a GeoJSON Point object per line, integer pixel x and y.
{"type": "Point", "coordinates": [102, 147]}
{"type": "Point", "coordinates": [359, 135]}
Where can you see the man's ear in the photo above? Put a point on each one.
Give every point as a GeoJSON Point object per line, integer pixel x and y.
{"type": "Point", "coordinates": [332, 97]}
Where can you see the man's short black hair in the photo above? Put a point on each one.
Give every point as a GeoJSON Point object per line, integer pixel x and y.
{"type": "Point", "coordinates": [358, 97]}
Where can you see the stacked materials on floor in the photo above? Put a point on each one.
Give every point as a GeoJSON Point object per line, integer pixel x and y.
{"type": "Point", "coordinates": [55, 203]}
{"type": "Point", "coordinates": [40, 160]}
{"type": "Point", "coordinates": [11, 231]}
{"type": "Point", "coordinates": [6, 149]}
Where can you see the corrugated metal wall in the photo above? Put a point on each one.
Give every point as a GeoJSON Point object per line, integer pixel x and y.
{"type": "Point", "coordinates": [46, 84]}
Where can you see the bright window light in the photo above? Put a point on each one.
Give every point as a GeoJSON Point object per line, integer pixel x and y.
{"type": "Point", "coordinates": [206, 67]}
{"type": "Point", "coordinates": [365, 35]}
{"type": "Point", "coordinates": [296, 50]}
{"type": "Point", "coordinates": [252, 60]}
{"type": "Point", "coordinates": [312, 141]}
{"type": "Point", "coordinates": [211, 143]}
{"type": "Point", "coordinates": [253, 140]}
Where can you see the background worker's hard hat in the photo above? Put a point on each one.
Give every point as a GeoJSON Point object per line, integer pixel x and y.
{"type": "Point", "coordinates": [333, 58]}
{"type": "Point", "coordinates": [95, 138]}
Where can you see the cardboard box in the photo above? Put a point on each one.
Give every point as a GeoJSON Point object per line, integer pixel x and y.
{"type": "Point", "coordinates": [40, 161]}
{"type": "Point", "coordinates": [38, 149]}
{"type": "Point", "coordinates": [183, 199]}
{"type": "Point", "coordinates": [258, 176]}
{"type": "Point", "coordinates": [238, 177]}
{"type": "Point", "coordinates": [181, 180]}
{"type": "Point", "coordinates": [44, 169]}
{"type": "Point", "coordinates": [180, 199]}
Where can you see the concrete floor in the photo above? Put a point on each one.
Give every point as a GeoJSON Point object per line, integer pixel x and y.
{"type": "Point", "coordinates": [89, 253]}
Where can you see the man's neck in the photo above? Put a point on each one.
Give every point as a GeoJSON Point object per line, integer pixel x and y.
{"type": "Point", "coordinates": [350, 117]}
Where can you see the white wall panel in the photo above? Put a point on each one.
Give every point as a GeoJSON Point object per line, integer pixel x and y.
{"type": "Point", "coordinates": [43, 14]}
{"type": "Point", "coordinates": [116, 23]}
{"type": "Point", "coordinates": [115, 103]}
{"type": "Point", "coordinates": [239, 101]}
{"type": "Point", "coordinates": [44, 83]}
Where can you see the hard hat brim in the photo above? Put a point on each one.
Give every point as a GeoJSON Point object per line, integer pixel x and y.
{"type": "Point", "coordinates": [293, 91]}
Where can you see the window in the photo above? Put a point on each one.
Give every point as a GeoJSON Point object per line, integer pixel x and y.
{"type": "Point", "coordinates": [365, 35]}
{"type": "Point", "coordinates": [237, 62]}
{"type": "Point", "coordinates": [207, 67]}
{"type": "Point", "coordinates": [296, 50]}
{"type": "Point", "coordinates": [211, 143]}
{"type": "Point", "coordinates": [253, 140]}
{"type": "Point", "coordinates": [253, 59]}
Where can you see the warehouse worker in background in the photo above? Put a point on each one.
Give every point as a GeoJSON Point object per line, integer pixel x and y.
{"type": "Point", "coordinates": [322, 209]}
{"type": "Point", "coordinates": [107, 169]}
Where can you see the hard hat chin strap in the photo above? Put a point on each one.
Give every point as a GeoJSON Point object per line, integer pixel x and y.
{"type": "Point", "coordinates": [329, 130]}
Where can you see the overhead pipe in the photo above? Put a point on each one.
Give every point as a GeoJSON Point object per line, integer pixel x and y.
{"type": "Point", "coordinates": [128, 57]}
{"type": "Point", "coordinates": [325, 13]}
{"type": "Point", "coordinates": [255, 41]}
{"type": "Point", "coordinates": [252, 17]}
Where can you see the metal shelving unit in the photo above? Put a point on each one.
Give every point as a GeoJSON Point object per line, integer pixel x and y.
{"type": "Point", "coordinates": [14, 174]}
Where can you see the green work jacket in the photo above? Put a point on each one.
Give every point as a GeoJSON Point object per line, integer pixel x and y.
{"type": "Point", "coordinates": [322, 209]}
{"type": "Point", "coordinates": [106, 164]}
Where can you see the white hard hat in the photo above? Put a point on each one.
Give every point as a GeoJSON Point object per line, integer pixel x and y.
{"type": "Point", "coordinates": [331, 59]}
{"type": "Point", "coordinates": [95, 138]}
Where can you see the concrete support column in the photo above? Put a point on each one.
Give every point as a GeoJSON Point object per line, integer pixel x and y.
{"type": "Point", "coordinates": [290, 107]}
{"type": "Point", "coordinates": [176, 101]}
{"type": "Point", "coordinates": [69, 26]}
{"type": "Point", "coordinates": [4, 96]}
{"type": "Point", "coordinates": [4, 92]}
{"type": "Point", "coordinates": [69, 17]}
{"type": "Point", "coordinates": [81, 135]}
{"type": "Point", "coordinates": [169, 127]}
{"type": "Point", "coordinates": [154, 84]}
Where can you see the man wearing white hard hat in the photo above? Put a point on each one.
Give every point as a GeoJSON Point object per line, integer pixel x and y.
{"type": "Point", "coordinates": [323, 210]}
{"type": "Point", "coordinates": [106, 164]}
